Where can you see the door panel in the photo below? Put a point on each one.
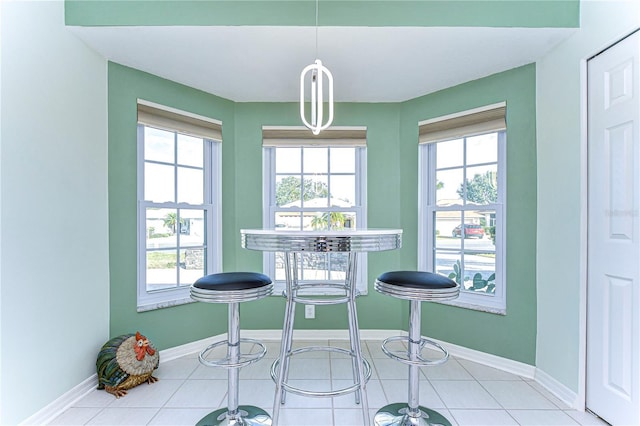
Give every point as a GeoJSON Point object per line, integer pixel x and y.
{"type": "Point", "coordinates": [613, 297]}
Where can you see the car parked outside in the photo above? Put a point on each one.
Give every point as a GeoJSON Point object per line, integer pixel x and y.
{"type": "Point", "coordinates": [470, 231]}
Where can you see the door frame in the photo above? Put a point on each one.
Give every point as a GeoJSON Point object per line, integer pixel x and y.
{"type": "Point", "coordinates": [581, 397]}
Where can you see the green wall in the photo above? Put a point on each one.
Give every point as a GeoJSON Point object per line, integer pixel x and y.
{"type": "Point", "coordinates": [382, 121]}
{"type": "Point", "coordinates": [424, 13]}
{"type": "Point", "coordinates": [180, 324]}
{"type": "Point", "coordinates": [562, 183]}
{"type": "Point", "coordinates": [392, 183]}
{"type": "Point", "coordinates": [513, 335]}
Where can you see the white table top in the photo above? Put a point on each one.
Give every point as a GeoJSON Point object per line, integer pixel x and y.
{"type": "Point", "coordinates": [343, 240]}
{"type": "Point", "coordinates": [332, 232]}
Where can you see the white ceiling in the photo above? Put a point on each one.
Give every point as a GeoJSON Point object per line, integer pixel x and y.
{"type": "Point", "coordinates": [369, 64]}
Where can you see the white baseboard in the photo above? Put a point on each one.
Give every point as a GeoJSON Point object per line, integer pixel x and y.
{"type": "Point", "coordinates": [559, 390]}
{"type": "Point", "coordinates": [189, 348]}
{"type": "Point", "coordinates": [504, 364]}
{"type": "Point", "coordinates": [562, 392]}
{"type": "Point", "coordinates": [51, 411]}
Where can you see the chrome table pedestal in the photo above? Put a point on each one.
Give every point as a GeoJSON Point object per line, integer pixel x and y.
{"type": "Point", "coordinates": [293, 244]}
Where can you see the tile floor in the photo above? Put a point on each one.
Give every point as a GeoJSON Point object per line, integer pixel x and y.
{"type": "Point", "coordinates": [465, 392]}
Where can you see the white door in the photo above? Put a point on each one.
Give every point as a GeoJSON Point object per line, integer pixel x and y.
{"type": "Point", "coordinates": [613, 292]}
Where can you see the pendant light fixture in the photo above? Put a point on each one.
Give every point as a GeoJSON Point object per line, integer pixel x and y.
{"type": "Point", "coordinates": [316, 74]}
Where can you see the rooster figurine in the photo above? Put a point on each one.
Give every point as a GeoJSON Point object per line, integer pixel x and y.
{"type": "Point", "coordinates": [125, 362]}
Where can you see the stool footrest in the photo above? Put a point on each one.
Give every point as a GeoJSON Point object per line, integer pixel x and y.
{"type": "Point", "coordinates": [244, 359]}
{"type": "Point", "coordinates": [340, 296]}
{"type": "Point", "coordinates": [419, 361]}
{"type": "Point", "coordinates": [321, 394]}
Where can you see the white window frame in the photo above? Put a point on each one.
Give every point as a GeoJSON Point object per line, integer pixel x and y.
{"type": "Point", "coordinates": [150, 300]}
{"type": "Point", "coordinates": [270, 209]}
{"type": "Point", "coordinates": [495, 303]}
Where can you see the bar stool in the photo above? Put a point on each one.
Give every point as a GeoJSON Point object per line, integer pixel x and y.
{"type": "Point", "coordinates": [415, 286]}
{"type": "Point", "coordinates": [233, 288]}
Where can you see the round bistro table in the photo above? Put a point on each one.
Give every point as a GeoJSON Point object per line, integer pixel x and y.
{"type": "Point", "coordinates": [293, 244]}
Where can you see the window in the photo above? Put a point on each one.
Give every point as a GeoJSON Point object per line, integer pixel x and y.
{"type": "Point", "coordinates": [314, 183]}
{"type": "Point", "coordinates": [462, 188]}
{"type": "Point", "coordinates": [178, 203]}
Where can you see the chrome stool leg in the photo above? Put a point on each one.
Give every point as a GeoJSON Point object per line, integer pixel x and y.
{"type": "Point", "coordinates": [414, 352]}
{"type": "Point", "coordinates": [287, 336]}
{"type": "Point", "coordinates": [354, 363]}
{"type": "Point", "coordinates": [354, 337]}
{"type": "Point", "coordinates": [291, 309]}
{"type": "Point", "coordinates": [234, 414]}
{"type": "Point", "coordinates": [411, 413]}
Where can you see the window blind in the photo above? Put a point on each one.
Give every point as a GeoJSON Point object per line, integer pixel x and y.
{"type": "Point", "coordinates": [171, 119]}
{"type": "Point", "coordinates": [487, 119]}
{"type": "Point", "coordinates": [301, 136]}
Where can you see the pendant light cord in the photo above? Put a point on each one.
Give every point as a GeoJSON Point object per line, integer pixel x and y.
{"type": "Point", "coordinates": [317, 28]}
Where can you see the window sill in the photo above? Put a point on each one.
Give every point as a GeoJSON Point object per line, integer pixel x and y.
{"type": "Point", "coordinates": [164, 304]}
{"type": "Point", "coordinates": [476, 307]}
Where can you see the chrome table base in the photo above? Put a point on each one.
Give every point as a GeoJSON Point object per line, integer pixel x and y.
{"type": "Point", "coordinates": [247, 415]}
{"type": "Point", "coordinates": [360, 367]}
{"type": "Point", "coordinates": [398, 415]}
{"type": "Point", "coordinates": [287, 388]}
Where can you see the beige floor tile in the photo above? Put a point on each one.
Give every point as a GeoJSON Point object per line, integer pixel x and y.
{"type": "Point", "coordinates": [387, 368]}
{"type": "Point", "coordinates": [178, 416]}
{"type": "Point", "coordinates": [551, 397]}
{"type": "Point", "coordinates": [375, 395]}
{"type": "Point", "coordinates": [75, 416]}
{"type": "Point", "coordinates": [517, 395]}
{"type": "Point", "coordinates": [542, 417]}
{"type": "Point", "coordinates": [450, 370]}
{"type": "Point", "coordinates": [199, 394]}
{"type": "Point", "coordinates": [483, 417]}
{"type": "Point", "coordinates": [180, 368]}
{"type": "Point", "coordinates": [484, 372]}
{"type": "Point", "coordinates": [343, 368]}
{"type": "Point", "coordinates": [306, 417]}
{"type": "Point", "coordinates": [148, 395]}
{"type": "Point", "coordinates": [464, 394]}
{"type": "Point", "coordinates": [258, 393]}
{"type": "Point", "coordinates": [398, 391]}
{"type": "Point", "coordinates": [297, 401]}
{"type": "Point", "coordinates": [585, 418]}
{"type": "Point", "coordinates": [96, 398]}
{"type": "Point", "coordinates": [123, 416]}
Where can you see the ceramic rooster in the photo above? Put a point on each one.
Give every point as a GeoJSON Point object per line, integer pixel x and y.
{"type": "Point", "coordinates": [125, 362]}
